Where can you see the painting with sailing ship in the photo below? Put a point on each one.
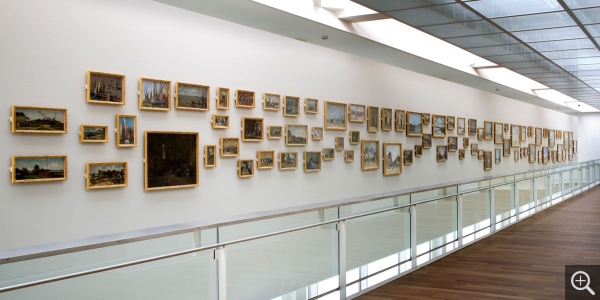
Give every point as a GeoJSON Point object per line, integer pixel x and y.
{"type": "Point", "coordinates": [155, 94]}
{"type": "Point", "coordinates": [105, 88]}
{"type": "Point", "coordinates": [28, 119]}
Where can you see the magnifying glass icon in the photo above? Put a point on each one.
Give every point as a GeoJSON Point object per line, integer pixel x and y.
{"type": "Point", "coordinates": [580, 284]}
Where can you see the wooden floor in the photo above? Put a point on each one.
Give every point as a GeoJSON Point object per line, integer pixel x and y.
{"type": "Point", "coordinates": [523, 261]}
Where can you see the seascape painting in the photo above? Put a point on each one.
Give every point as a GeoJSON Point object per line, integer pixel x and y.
{"type": "Point", "coordinates": [245, 99]}
{"type": "Point", "coordinates": [357, 113]}
{"type": "Point", "coordinates": [271, 102]}
{"type": "Point", "coordinates": [222, 98]}
{"type": "Point", "coordinates": [101, 175]}
{"type": "Point", "coordinates": [312, 161]}
{"type": "Point", "coordinates": [288, 160]}
{"type": "Point", "coordinates": [400, 120]}
{"type": "Point", "coordinates": [414, 123]}
{"type": "Point", "coordinates": [370, 154]}
{"type": "Point", "coordinates": [292, 106]}
{"type": "Point", "coordinates": [297, 135]}
{"type": "Point", "coordinates": [171, 159]}
{"type": "Point", "coordinates": [439, 126]}
{"type": "Point", "coordinates": [373, 119]}
{"type": "Point", "coordinates": [155, 94]}
{"type": "Point", "coordinates": [335, 116]}
{"type": "Point", "coordinates": [93, 133]}
{"type": "Point", "coordinates": [26, 119]}
{"type": "Point", "coordinates": [104, 88]}
{"type": "Point", "coordinates": [312, 106]}
{"type": "Point", "coordinates": [192, 96]}
{"type": "Point", "coordinates": [126, 131]}
{"type": "Point", "coordinates": [38, 168]}
{"type": "Point", "coordinates": [392, 159]}
{"type": "Point", "coordinates": [252, 129]}
{"type": "Point", "coordinates": [230, 147]}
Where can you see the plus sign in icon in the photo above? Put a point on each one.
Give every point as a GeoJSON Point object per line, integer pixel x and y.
{"type": "Point", "coordinates": [582, 282]}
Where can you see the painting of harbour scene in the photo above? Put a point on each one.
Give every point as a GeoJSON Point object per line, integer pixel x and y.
{"type": "Point", "coordinates": [335, 116]}
{"type": "Point", "coordinates": [105, 88]}
{"type": "Point", "coordinates": [106, 175]}
{"type": "Point", "coordinates": [126, 131]}
{"type": "Point", "coordinates": [297, 135]}
{"type": "Point", "coordinates": [27, 119]}
{"type": "Point", "coordinates": [155, 94]}
{"type": "Point", "coordinates": [192, 96]}
{"type": "Point", "coordinates": [38, 168]}
{"type": "Point", "coordinates": [171, 159]}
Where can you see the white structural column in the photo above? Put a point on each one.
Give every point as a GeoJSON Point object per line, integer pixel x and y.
{"type": "Point", "coordinates": [459, 220]}
{"type": "Point", "coordinates": [413, 236]}
{"type": "Point", "coordinates": [562, 185]}
{"type": "Point", "coordinates": [222, 269]}
{"type": "Point", "coordinates": [341, 227]}
{"type": "Point", "coordinates": [549, 190]}
{"type": "Point", "coordinates": [515, 200]}
{"type": "Point", "coordinates": [533, 194]}
{"type": "Point", "coordinates": [492, 210]}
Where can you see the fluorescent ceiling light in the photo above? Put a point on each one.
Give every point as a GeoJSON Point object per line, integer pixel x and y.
{"type": "Point", "coordinates": [511, 79]}
{"type": "Point", "coordinates": [581, 107]}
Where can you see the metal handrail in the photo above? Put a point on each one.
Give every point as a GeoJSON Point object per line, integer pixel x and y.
{"type": "Point", "coordinates": [247, 239]}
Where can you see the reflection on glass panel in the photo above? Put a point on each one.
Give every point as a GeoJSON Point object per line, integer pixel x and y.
{"type": "Point", "coordinates": [274, 266]}
{"type": "Point", "coordinates": [504, 8]}
{"type": "Point", "coordinates": [503, 199]}
{"type": "Point", "coordinates": [576, 179]}
{"type": "Point", "coordinates": [569, 44]}
{"type": "Point", "coordinates": [417, 197]}
{"type": "Point", "coordinates": [541, 21]}
{"type": "Point", "coordinates": [555, 185]}
{"type": "Point", "coordinates": [588, 16]}
{"type": "Point", "coordinates": [476, 211]}
{"type": "Point", "coordinates": [578, 61]}
{"type": "Point", "coordinates": [473, 186]}
{"type": "Point", "coordinates": [572, 54]}
{"type": "Point", "coordinates": [567, 182]}
{"type": "Point", "coordinates": [540, 190]}
{"type": "Point", "coordinates": [436, 224]}
{"type": "Point", "coordinates": [190, 276]}
{"type": "Point", "coordinates": [524, 195]}
{"type": "Point", "coordinates": [365, 207]}
{"type": "Point", "coordinates": [575, 4]}
{"type": "Point", "coordinates": [550, 34]}
{"type": "Point", "coordinates": [434, 15]}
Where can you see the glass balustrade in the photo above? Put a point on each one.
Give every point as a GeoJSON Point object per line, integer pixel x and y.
{"type": "Point", "coordinates": [475, 215]}
{"type": "Point", "coordinates": [436, 228]}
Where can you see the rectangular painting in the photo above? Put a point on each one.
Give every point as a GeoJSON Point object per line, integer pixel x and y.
{"type": "Point", "coordinates": [442, 153]}
{"type": "Point", "coordinates": [465, 142]}
{"type": "Point", "coordinates": [559, 150]}
{"type": "Point", "coordinates": [252, 129]}
{"type": "Point", "coordinates": [357, 113]}
{"type": "Point", "coordinates": [506, 127]}
{"type": "Point", "coordinates": [30, 119]}
{"type": "Point", "coordinates": [400, 120]}
{"type": "Point", "coordinates": [296, 135]}
{"type": "Point", "coordinates": [506, 147]}
{"type": "Point", "coordinates": [480, 154]}
{"type": "Point", "coordinates": [488, 130]}
{"type": "Point", "coordinates": [104, 175]}
{"type": "Point", "coordinates": [271, 102]}
{"type": "Point", "coordinates": [386, 119]}
{"type": "Point", "coordinates": [230, 147]}
{"type": "Point", "coordinates": [349, 155]}
{"type": "Point", "coordinates": [192, 96]}
{"type": "Point", "coordinates": [220, 121]}
{"type": "Point", "coordinates": [93, 133]}
{"type": "Point", "coordinates": [312, 161]}
{"type": "Point", "coordinates": [544, 155]}
{"type": "Point", "coordinates": [516, 156]}
{"type": "Point", "coordinates": [551, 138]}
{"type": "Point", "coordinates": [461, 154]}
{"type": "Point", "coordinates": [288, 160]}
{"type": "Point", "coordinates": [392, 159]}
{"type": "Point", "coordinates": [515, 132]}
{"type": "Point", "coordinates": [245, 99]}
{"type": "Point", "coordinates": [450, 123]}
{"type": "Point", "coordinates": [480, 134]}
{"type": "Point", "coordinates": [487, 160]}
{"type": "Point", "coordinates": [354, 137]}
{"type": "Point", "coordinates": [223, 98]}
{"type": "Point", "coordinates": [317, 133]}
{"type": "Point", "coordinates": [328, 154]}
{"type": "Point", "coordinates": [498, 133]}
{"type": "Point", "coordinates": [538, 136]}
{"type": "Point", "coordinates": [452, 143]}
{"type": "Point", "coordinates": [439, 126]}
{"type": "Point", "coordinates": [311, 106]}
{"type": "Point", "coordinates": [472, 126]}
{"type": "Point", "coordinates": [414, 123]}
{"type": "Point", "coordinates": [408, 157]}
{"type": "Point", "coordinates": [266, 159]}
{"type": "Point", "coordinates": [126, 130]}
{"type": "Point", "coordinates": [105, 88]}
{"type": "Point", "coordinates": [474, 149]}
{"type": "Point", "coordinates": [370, 154]}
{"type": "Point", "coordinates": [418, 150]}
{"type": "Point", "coordinates": [171, 160]}
{"type": "Point", "coordinates": [335, 116]}
{"type": "Point", "coordinates": [210, 156]}
{"type": "Point", "coordinates": [291, 106]}
{"type": "Point", "coordinates": [372, 119]}
{"type": "Point", "coordinates": [38, 168]}
{"type": "Point", "coordinates": [461, 126]}
{"type": "Point", "coordinates": [426, 140]}
{"type": "Point", "coordinates": [274, 132]}
{"type": "Point", "coordinates": [426, 119]}
{"type": "Point", "coordinates": [498, 156]}
{"type": "Point", "coordinates": [245, 168]}
{"type": "Point", "coordinates": [523, 133]}
{"type": "Point", "coordinates": [154, 94]}
{"type": "Point", "coordinates": [339, 143]}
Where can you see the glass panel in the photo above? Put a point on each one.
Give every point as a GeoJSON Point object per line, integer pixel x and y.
{"type": "Point", "coordinates": [473, 186]}
{"type": "Point", "coordinates": [436, 226]}
{"type": "Point", "coordinates": [588, 16]}
{"type": "Point", "coordinates": [567, 182]}
{"type": "Point", "coordinates": [584, 177]}
{"type": "Point", "coordinates": [541, 21]}
{"type": "Point", "coordinates": [190, 276]}
{"type": "Point", "coordinates": [550, 34]}
{"type": "Point", "coordinates": [503, 202]}
{"type": "Point", "coordinates": [504, 8]}
{"type": "Point", "coordinates": [476, 211]}
{"type": "Point", "coordinates": [575, 4]}
{"type": "Point", "coordinates": [572, 54]}
{"type": "Point", "coordinates": [387, 5]}
{"type": "Point", "coordinates": [461, 29]}
{"type": "Point", "coordinates": [555, 186]}
{"type": "Point", "coordinates": [500, 180]}
{"type": "Point", "coordinates": [365, 207]}
{"type": "Point", "coordinates": [417, 197]}
{"type": "Point", "coordinates": [578, 61]}
{"type": "Point", "coordinates": [540, 190]}
{"type": "Point", "coordinates": [524, 194]}
{"type": "Point", "coordinates": [563, 45]}
{"type": "Point", "coordinates": [277, 265]}
{"type": "Point", "coordinates": [434, 15]}
{"type": "Point", "coordinates": [576, 179]}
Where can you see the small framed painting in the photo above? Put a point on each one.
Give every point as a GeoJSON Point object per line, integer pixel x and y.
{"type": "Point", "coordinates": [357, 113]}
{"type": "Point", "coordinates": [418, 150]}
{"type": "Point", "coordinates": [210, 156]}
{"type": "Point", "coordinates": [126, 130]}
{"type": "Point", "coordinates": [222, 98]}
{"type": "Point", "coordinates": [349, 155]}
{"type": "Point", "coordinates": [439, 126]}
{"type": "Point", "coordinates": [105, 88]}
{"type": "Point", "coordinates": [245, 99]}
{"type": "Point", "coordinates": [461, 154]}
{"type": "Point", "coordinates": [506, 127]}
{"type": "Point", "coordinates": [296, 135]}
{"type": "Point", "coordinates": [339, 143]}
{"type": "Point", "coordinates": [487, 160]}
{"type": "Point", "coordinates": [370, 154]}
{"type": "Point", "coordinates": [252, 129]}
{"type": "Point", "coordinates": [373, 119]}
{"type": "Point", "coordinates": [354, 137]}
{"type": "Point", "coordinates": [335, 116]}
{"type": "Point", "coordinates": [498, 133]}
{"type": "Point", "coordinates": [450, 123]}
{"type": "Point", "coordinates": [291, 106]}
{"type": "Point", "coordinates": [317, 133]}
{"type": "Point", "coordinates": [414, 123]}
{"type": "Point", "coordinates": [544, 155]}
{"type": "Point", "coordinates": [538, 136]}
{"type": "Point", "coordinates": [523, 134]}
{"type": "Point", "coordinates": [517, 156]}
{"type": "Point", "coordinates": [488, 130]}
{"type": "Point", "coordinates": [312, 161]}
{"type": "Point", "coordinates": [266, 159]}
{"type": "Point", "coordinates": [386, 119]}
{"type": "Point", "coordinates": [192, 96]}
{"type": "Point", "coordinates": [245, 168]}
{"type": "Point", "coordinates": [498, 156]}
{"type": "Point", "coordinates": [452, 143]}
{"type": "Point", "coordinates": [551, 138]}
{"type": "Point", "coordinates": [311, 106]}
{"type": "Point", "coordinates": [93, 133]}
{"type": "Point", "coordinates": [515, 131]}
{"type": "Point", "coordinates": [328, 154]}
{"type": "Point", "coordinates": [465, 142]}
{"type": "Point", "coordinates": [426, 119]}
{"type": "Point", "coordinates": [442, 153]}
{"type": "Point", "coordinates": [31, 119]}
{"type": "Point", "coordinates": [472, 126]}
{"type": "Point", "coordinates": [480, 134]}
{"type": "Point", "coordinates": [220, 121]}
{"type": "Point", "coordinates": [105, 175]}
{"type": "Point", "coordinates": [400, 120]}
{"type": "Point", "coordinates": [27, 169]}
{"type": "Point", "coordinates": [474, 149]}
{"type": "Point", "coordinates": [288, 161]}
{"type": "Point", "coordinates": [392, 160]}
{"type": "Point", "coordinates": [408, 157]}
{"type": "Point", "coordinates": [426, 140]}
{"type": "Point", "coordinates": [230, 147]}
{"type": "Point", "coordinates": [271, 102]}
{"type": "Point", "coordinates": [274, 132]}
{"type": "Point", "coordinates": [461, 126]}
{"type": "Point", "coordinates": [506, 147]}
{"type": "Point", "coordinates": [154, 94]}
{"type": "Point", "coordinates": [480, 154]}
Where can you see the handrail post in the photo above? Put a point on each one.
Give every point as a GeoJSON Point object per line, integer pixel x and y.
{"type": "Point", "coordinates": [533, 194]}
{"type": "Point", "coordinates": [222, 270]}
{"type": "Point", "coordinates": [515, 199]}
{"type": "Point", "coordinates": [413, 236]}
{"type": "Point", "coordinates": [562, 185]}
{"type": "Point", "coordinates": [549, 190]}
{"type": "Point", "coordinates": [492, 210]}
{"type": "Point", "coordinates": [459, 220]}
{"type": "Point", "coordinates": [341, 227]}
{"type": "Point", "coordinates": [571, 182]}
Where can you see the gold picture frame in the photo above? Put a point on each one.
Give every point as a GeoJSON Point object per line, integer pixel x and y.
{"type": "Point", "coordinates": [400, 124]}
{"type": "Point", "coordinates": [426, 141]}
{"type": "Point", "coordinates": [210, 156]}
{"type": "Point", "coordinates": [506, 147]}
{"type": "Point", "coordinates": [220, 121]}
{"type": "Point", "coordinates": [188, 102]}
{"type": "Point", "coordinates": [386, 119]}
{"type": "Point", "coordinates": [274, 132]}
{"type": "Point", "coordinates": [441, 153]}
{"type": "Point", "coordinates": [291, 106]}
{"type": "Point", "coordinates": [296, 135]}
{"type": "Point", "coordinates": [487, 160]}
{"type": "Point", "coordinates": [450, 122]}
{"type": "Point", "coordinates": [156, 145]}
{"type": "Point", "coordinates": [461, 126]}
{"type": "Point", "coordinates": [253, 129]}
{"type": "Point", "coordinates": [335, 117]}
{"type": "Point", "coordinates": [488, 130]}
{"type": "Point", "coordinates": [245, 99]}
{"type": "Point", "coordinates": [538, 136]}
{"type": "Point", "coordinates": [328, 154]}
{"type": "Point", "coordinates": [229, 147]}
{"type": "Point", "coordinates": [474, 149]}
{"type": "Point", "coordinates": [288, 161]}
{"type": "Point", "coordinates": [126, 130]}
{"type": "Point", "coordinates": [465, 142]}
{"type": "Point", "coordinates": [311, 106]}
{"type": "Point", "coordinates": [153, 97]}
{"type": "Point", "coordinates": [95, 178]}
{"type": "Point", "coordinates": [472, 126]}
{"type": "Point", "coordinates": [265, 159]}
{"type": "Point", "coordinates": [271, 102]}
{"type": "Point", "coordinates": [426, 118]}
{"type": "Point", "coordinates": [312, 161]}
{"type": "Point", "coordinates": [42, 120]}
{"type": "Point", "coordinates": [245, 168]}
{"type": "Point", "coordinates": [32, 168]}
{"type": "Point", "coordinates": [452, 144]}
{"type": "Point", "coordinates": [498, 133]}
{"type": "Point", "coordinates": [99, 85]}
{"type": "Point", "coordinates": [414, 123]}
{"type": "Point", "coordinates": [461, 154]}
{"type": "Point", "coordinates": [339, 143]}
{"type": "Point", "coordinates": [349, 156]}
{"type": "Point", "coordinates": [418, 150]}
{"type": "Point", "coordinates": [408, 157]}
{"type": "Point", "coordinates": [372, 119]}
{"type": "Point", "coordinates": [497, 156]}
{"type": "Point", "coordinates": [354, 138]}
{"type": "Point", "coordinates": [317, 133]}
{"type": "Point", "coordinates": [357, 113]}
{"type": "Point", "coordinates": [523, 134]}
{"type": "Point", "coordinates": [515, 132]}
{"type": "Point", "coordinates": [222, 98]}
{"type": "Point", "coordinates": [93, 133]}
{"type": "Point", "coordinates": [480, 134]}
{"type": "Point", "coordinates": [438, 126]}
{"type": "Point", "coordinates": [369, 151]}
{"type": "Point", "coordinates": [392, 158]}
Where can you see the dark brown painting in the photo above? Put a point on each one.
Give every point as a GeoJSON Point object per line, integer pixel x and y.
{"type": "Point", "coordinates": [171, 159]}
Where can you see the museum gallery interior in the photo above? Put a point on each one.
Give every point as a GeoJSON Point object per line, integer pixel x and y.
{"type": "Point", "coordinates": [301, 149]}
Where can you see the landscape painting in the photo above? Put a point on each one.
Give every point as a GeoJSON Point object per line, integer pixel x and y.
{"type": "Point", "coordinates": [349, 155]}
{"type": "Point", "coordinates": [499, 133]}
{"type": "Point", "coordinates": [551, 138]}
{"type": "Point", "coordinates": [38, 168]}
{"type": "Point", "coordinates": [357, 113]}
{"type": "Point", "coordinates": [515, 131]}
{"type": "Point", "coordinates": [311, 106]}
{"type": "Point", "coordinates": [103, 175]}
{"type": "Point", "coordinates": [392, 159]}
{"type": "Point", "coordinates": [335, 116]}
{"type": "Point", "coordinates": [29, 119]}
{"type": "Point", "coordinates": [498, 155]}
{"type": "Point", "coordinates": [222, 98]}
{"type": "Point", "coordinates": [126, 130]}
{"type": "Point", "coordinates": [245, 168]}
{"type": "Point", "coordinates": [291, 106]}
{"type": "Point", "coordinates": [271, 102]}
{"type": "Point", "coordinates": [230, 147]}
{"type": "Point", "coordinates": [487, 160]}
{"type": "Point", "coordinates": [372, 119]}
{"type": "Point", "coordinates": [461, 126]}
{"type": "Point", "coordinates": [171, 160]}
{"type": "Point", "coordinates": [244, 99]}
{"type": "Point", "coordinates": [408, 157]}
{"type": "Point", "coordinates": [155, 94]}
{"type": "Point", "coordinates": [93, 133]}
{"type": "Point", "coordinates": [105, 88]}
{"type": "Point", "coordinates": [266, 159]}
{"type": "Point", "coordinates": [450, 122]}
{"type": "Point", "coordinates": [220, 121]}
{"type": "Point", "coordinates": [328, 154]}
{"type": "Point", "coordinates": [506, 147]}
{"type": "Point", "coordinates": [452, 143]}
{"type": "Point", "coordinates": [312, 161]}
{"type": "Point", "coordinates": [192, 96]}
{"type": "Point", "coordinates": [439, 126]}
{"type": "Point", "coordinates": [274, 132]}
{"type": "Point", "coordinates": [400, 120]}
{"type": "Point", "coordinates": [370, 154]}
{"type": "Point", "coordinates": [210, 156]}
{"type": "Point", "coordinates": [288, 160]}
{"type": "Point", "coordinates": [354, 137]}
{"type": "Point", "coordinates": [488, 130]}
{"type": "Point", "coordinates": [414, 121]}
{"type": "Point", "coordinates": [442, 153]}
{"type": "Point", "coordinates": [386, 119]}
{"type": "Point", "coordinates": [426, 141]}
{"type": "Point", "coordinates": [252, 129]}
{"type": "Point", "coordinates": [317, 133]}
{"type": "Point", "coordinates": [472, 126]}
{"type": "Point", "coordinates": [297, 135]}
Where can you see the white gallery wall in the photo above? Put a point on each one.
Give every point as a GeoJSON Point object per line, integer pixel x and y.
{"type": "Point", "coordinates": [48, 46]}
{"type": "Point", "coordinates": [588, 137]}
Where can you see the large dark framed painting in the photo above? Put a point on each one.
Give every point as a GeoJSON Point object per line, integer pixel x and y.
{"type": "Point", "coordinates": [105, 88]}
{"type": "Point", "coordinates": [171, 160]}
{"type": "Point", "coordinates": [31, 119]}
{"type": "Point", "coordinates": [38, 168]}
{"type": "Point", "coordinates": [104, 175]}
{"type": "Point", "coordinates": [192, 96]}
{"type": "Point", "coordinates": [126, 130]}
{"type": "Point", "coordinates": [154, 94]}
{"type": "Point", "coordinates": [335, 115]}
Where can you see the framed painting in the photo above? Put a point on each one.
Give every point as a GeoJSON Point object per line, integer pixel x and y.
{"type": "Point", "coordinates": [245, 99]}
{"type": "Point", "coordinates": [312, 161]}
{"type": "Point", "coordinates": [506, 127]}
{"type": "Point", "coordinates": [105, 175]}
{"type": "Point", "coordinates": [369, 155]}
{"type": "Point", "coordinates": [408, 157]}
{"type": "Point", "coordinates": [392, 159]}
{"type": "Point", "coordinates": [288, 161]}
{"type": "Point", "coordinates": [297, 135]}
{"type": "Point", "coordinates": [339, 143]}
{"type": "Point", "coordinates": [517, 156]}
{"type": "Point", "coordinates": [461, 126]}
{"type": "Point", "coordinates": [230, 147]}
{"type": "Point", "coordinates": [551, 138]}
{"type": "Point", "coordinates": [357, 113]}
{"type": "Point", "coordinates": [126, 130]}
{"type": "Point", "coordinates": [414, 123]}
{"type": "Point", "coordinates": [328, 154]}
{"type": "Point", "coordinates": [222, 98]}
{"type": "Point", "coordinates": [461, 154]}
{"type": "Point", "coordinates": [274, 132]}
{"type": "Point", "coordinates": [311, 106]}
{"type": "Point", "coordinates": [354, 137]}
{"type": "Point", "coordinates": [544, 155]}
{"type": "Point", "coordinates": [171, 160]}
{"type": "Point", "coordinates": [498, 133]}
{"type": "Point", "coordinates": [418, 150]}
{"type": "Point", "coordinates": [210, 156]}
{"type": "Point", "coordinates": [506, 147]}
{"type": "Point", "coordinates": [192, 96]}
{"type": "Point", "coordinates": [386, 119]}
{"type": "Point", "coordinates": [31, 119]}
{"type": "Point", "coordinates": [252, 129]}
{"type": "Point", "coordinates": [450, 122]}
{"type": "Point", "coordinates": [538, 136]}
{"type": "Point", "coordinates": [529, 131]}
{"type": "Point", "coordinates": [515, 132]}
{"type": "Point", "coordinates": [442, 153]}
{"type": "Point", "coordinates": [426, 140]}
{"type": "Point", "coordinates": [574, 147]}
{"type": "Point", "coordinates": [373, 119]}
{"type": "Point", "coordinates": [317, 133]}
{"type": "Point", "coordinates": [105, 88]}
{"type": "Point", "coordinates": [488, 130]}
{"type": "Point", "coordinates": [335, 116]}
{"type": "Point", "coordinates": [349, 155]}
{"type": "Point", "coordinates": [480, 134]}
{"type": "Point", "coordinates": [271, 102]}
{"type": "Point", "coordinates": [245, 168]}
{"type": "Point", "coordinates": [523, 133]}
{"type": "Point", "coordinates": [291, 106]}
{"type": "Point", "coordinates": [498, 156]}
{"type": "Point", "coordinates": [438, 126]}
{"type": "Point", "coordinates": [266, 159]}
{"type": "Point", "coordinates": [38, 168]}
{"type": "Point", "coordinates": [220, 121]}
{"type": "Point", "coordinates": [93, 133]}
{"type": "Point", "coordinates": [154, 94]}
{"type": "Point", "coordinates": [452, 143]}
{"type": "Point", "coordinates": [465, 142]}
{"type": "Point", "coordinates": [474, 149]}
{"type": "Point", "coordinates": [559, 150]}
{"type": "Point", "coordinates": [400, 120]}
{"type": "Point", "coordinates": [480, 154]}
{"type": "Point", "coordinates": [472, 126]}
{"type": "Point", "coordinates": [487, 160]}
{"type": "Point", "coordinates": [426, 119]}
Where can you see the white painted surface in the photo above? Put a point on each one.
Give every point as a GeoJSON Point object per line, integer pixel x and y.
{"type": "Point", "coordinates": [48, 46]}
{"type": "Point", "coordinates": [588, 137]}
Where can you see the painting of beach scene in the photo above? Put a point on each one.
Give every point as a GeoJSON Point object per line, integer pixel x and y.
{"type": "Point", "coordinates": [38, 168]}
{"type": "Point", "coordinates": [335, 116]}
{"type": "Point", "coordinates": [192, 96]}
{"type": "Point", "coordinates": [297, 135]}
{"type": "Point", "coordinates": [102, 175]}
{"type": "Point", "coordinates": [105, 88]}
{"type": "Point", "coordinates": [154, 94]}
{"type": "Point", "coordinates": [29, 119]}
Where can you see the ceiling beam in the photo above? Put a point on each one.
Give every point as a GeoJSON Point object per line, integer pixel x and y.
{"type": "Point", "coordinates": [578, 22]}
